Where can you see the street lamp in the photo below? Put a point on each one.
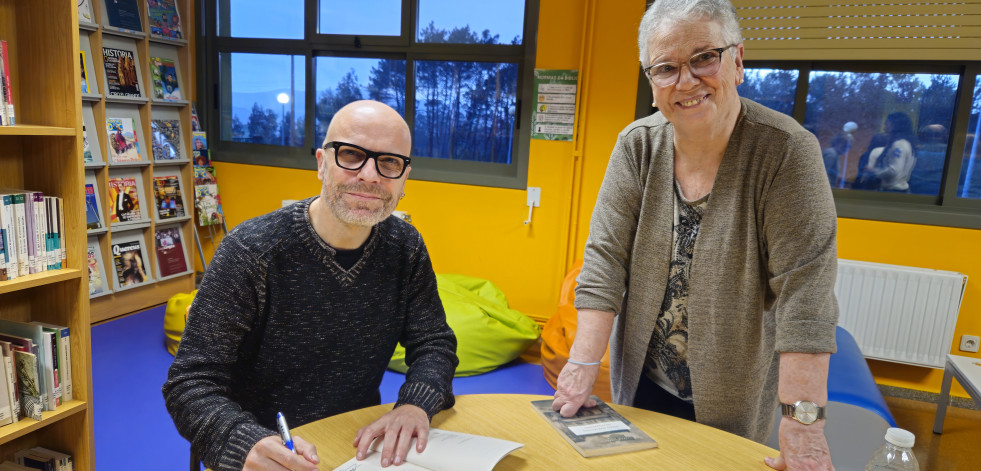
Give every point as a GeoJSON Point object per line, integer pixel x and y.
{"type": "Point", "coordinates": [283, 99]}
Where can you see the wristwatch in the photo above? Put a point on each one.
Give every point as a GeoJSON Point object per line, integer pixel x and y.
{"type": "Point", "coordinates": [805, 412]}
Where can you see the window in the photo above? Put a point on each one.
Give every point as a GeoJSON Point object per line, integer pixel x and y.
{"type": "Point", "coordinates": [898, 139]}
{"type": "Point", "coordinates": [455, 71]}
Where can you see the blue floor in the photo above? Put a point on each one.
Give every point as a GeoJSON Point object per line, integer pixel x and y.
{"type": "Point", "coordinates": [129, 364]}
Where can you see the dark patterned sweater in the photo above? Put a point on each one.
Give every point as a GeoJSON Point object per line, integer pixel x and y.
{"type": "Point", "coordinates": [278, 325]}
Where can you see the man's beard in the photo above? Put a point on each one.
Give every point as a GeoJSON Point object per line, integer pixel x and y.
{"type": "Point", "coordinates": [358, 213]}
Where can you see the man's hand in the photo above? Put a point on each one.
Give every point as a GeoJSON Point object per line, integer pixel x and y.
{"type": "Point", "coordinates": [575, 382]}
{"type": "Point", "coordinates": [269, 454]}
{"type": "Point", "coordinates": [398, 427]}
{"type": "Point", "coordinates": [802, 448]}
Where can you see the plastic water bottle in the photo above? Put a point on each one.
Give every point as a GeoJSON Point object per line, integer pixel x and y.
{"type": "Point", "coordinates": [896, 454]}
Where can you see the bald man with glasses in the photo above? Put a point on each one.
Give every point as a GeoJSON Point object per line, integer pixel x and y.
{"type": "Point", "coordinates": [301, 309]}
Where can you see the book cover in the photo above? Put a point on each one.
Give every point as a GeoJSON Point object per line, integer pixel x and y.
{"type": "Point", "coordinates": [121, 78]}
{"type": "Point", "coordinates": [167, 192]}
{"type": "Point", "coordinates": [164, 75]}
{"type": "Point", "coordinates": [204, 176]}
{"type": "Point", "coordinates": [84, 69]}
{"type": "Point", "coordinates": [595, 431]}
{"type": "Point", "coordinates": [7, 86]}
{"type": "Point", "coordinates": [128, 260]}
{"type": "Point", "coordinates": [202, 158]}
{"type": "Point", "coordinates": [195, 124]}
{"type": "Point", "coordinates": [96, 284]}
{"type": "Point", "coordinates": [124, 14]}
{"type": "Point", "coordinates": [164, 19]}
{"type": "Point", "coordinates": [123, 145]}
{"type": "Point", "coordinates": [7, 349]}
{"type": "Point", "coordinates": [85, 11]}
{"type": "Point", "coordinates": [445, 451]}
{"type": "Point", "coordinates": [31, 404]}
{"type": "Point", "coordinates": [200, 140]}
{"type": "Point", "coordinates": [166, 139]}
{"type": "Point", "coordinates": [208, 204]}
{"type": "Point", "coordinates": [124, 200]}
{"type": "Point", "coordinates": [87, 156]}
{"type": "Point", "coordinates": [170, 251]}
{"type": "Point", "coordinates": [93, 220]}
{"type": "Point", "coordinates": [6, 407]}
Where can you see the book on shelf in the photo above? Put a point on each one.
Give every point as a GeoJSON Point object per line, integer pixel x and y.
{"type": "Point", "coordinates": [445, 451]}
{"type": "Point", "coordinates": [63, 461]}
{"type": "Point", "coordinates": [42, 350]}
{"type": "Point", "coordinates": [7, 350]}
{"type": "Point", "coordinates": [166, 135]}
{"type": "Point", "coordinates": [127, 257]}
{"type": "Point", "coordinates": [121, 77]}
{"type": "Point", "coordinates": [31, 403]}
{"type": "Point", "coordinates": [7, 406]}
{"type": "Point", "coordinates": [53, 236]}
{"type": "Point", "coordinates": [12, 466]}
{"type": "Point", "coordinates": [51, 368]}
{"type": "Point", "coordinates": [96, 283]}
{"type": "Point", "coordinates": [61, 337]}
{"type": "Point", "coordinates": [123, 144]}
{"type": "Point", "coordinates": [87, 156]}
{"type": "Point", "coordinates": [3, 255]}
{"type": "Point", "coordinates": [124, 200]}
{"type": "Point", "coordinates": [93, 217]}
{"type": "Point", "coordinates": [170, 251]}
{"type": "Point", "coordinates": [163, 73]}
{"type": "Point", "coordinates": [124, 14]}
{"type": "Point", "coordinates": [7, 91]}
{"type": "Point", "coordinates": [595, 431]}
{"type": "Point", "coordinates": [85, 71]}
{"type": "Point", "coordinates": [164, 19]}
{"type": "Point", "coordinates": [167, 193]}
{"type": "Point", "coordinates": [85, 11]}
{"type": "Point", "coordinates": [15, 221]}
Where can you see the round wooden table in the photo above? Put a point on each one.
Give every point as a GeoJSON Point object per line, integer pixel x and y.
{"type": "Point", "coordinates": [682, 445]}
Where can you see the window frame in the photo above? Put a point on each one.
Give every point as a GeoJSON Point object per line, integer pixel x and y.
{"type": "Point", "coordinates": [945, 209]}
{"type": "Point", "coordinates": [211, 64]}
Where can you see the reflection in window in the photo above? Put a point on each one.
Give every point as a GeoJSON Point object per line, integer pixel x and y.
{"type": "Point", "coordinates": [257, 19]}
{"type": "Point", "coordinates": [882, 132]}
{"type": "Point", "coordinates": [263, 105]}
{"type": "Point", "coordinates": [970, 182]}
{"type": "Point", "coordinates": [773, 88]}
{"type": "Point", "coordinates": [341, 80]}
{"type": "Point", "coordinates": [363, 18]}
{"type": "Point", "coordinates": [498, 22]}
{"type": "Point", "coordinates": [465, 110]}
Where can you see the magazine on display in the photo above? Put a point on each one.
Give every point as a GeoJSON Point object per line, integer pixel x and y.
{"type": "Point", "coordinates": [87, 156]}
{"type": "Point", "coordinates": [164, 19]}
{"type": "Point", "coordinates": [124, 14]}
{"type": "Point", "coordinates": [93, 218]}
{"type": "Point", "coordinates": [85, 72]}
{"type": "Point", "coordinates": [127, 257]}
{"type": "Point", "coordinates": [123, 145]}
{"type": "Point", "coordinates": [85, 11]}
{"type": "Point", "coordinates": [96, 283]}
{"type": "Point", "coordinates": [208, 204]}
{"type": "Point", "coordinates": [121, 77]}
{"type": "Point", "coordinates": [166, 139]}
{"type": "Point", "coordinates": [167, 192]}
{"type": "Point", "coordinates": [124, 203]}
{"type": "Point", "coordinates": [170, 251]}
{"type": "Point", "coordinates": [163, 72]}
{"type": "Point", "coordinates": [595, 431]}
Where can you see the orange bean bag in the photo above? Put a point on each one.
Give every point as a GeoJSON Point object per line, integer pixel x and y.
{"type": "Point", "coordinates": [559, 333]}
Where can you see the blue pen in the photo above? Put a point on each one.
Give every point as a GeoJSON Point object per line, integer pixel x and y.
{"type": "Point", "coordinates": [285, 431]}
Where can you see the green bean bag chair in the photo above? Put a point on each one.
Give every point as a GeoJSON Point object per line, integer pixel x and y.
{"type": "Point", "coordinates": [488, 333]}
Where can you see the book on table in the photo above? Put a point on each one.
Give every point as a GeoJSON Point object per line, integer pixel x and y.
{"type": "Point", "coordinates": [445, 451]}
{"type": "Point", "coordinates": [595, 431]}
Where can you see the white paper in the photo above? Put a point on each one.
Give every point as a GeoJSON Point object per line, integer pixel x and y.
{"type": "Point", "coordinates": [445, 451]}
{"type": "Point", "coordinates": [602, 427]}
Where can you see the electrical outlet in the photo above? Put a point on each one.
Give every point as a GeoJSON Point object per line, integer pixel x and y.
{"type": "Point", "coordinates": [534, 196]}
{"type": "Point", "coordinates": [969, 343]}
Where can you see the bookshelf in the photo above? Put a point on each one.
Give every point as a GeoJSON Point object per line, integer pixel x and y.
{"type": "Point", "coordinates": [42, 153]}
{"type": "Point", "coordinates": [102, 42]}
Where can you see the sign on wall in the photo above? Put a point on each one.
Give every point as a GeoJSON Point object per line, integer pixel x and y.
{"type": "Point", "coordinates": [555, 106]}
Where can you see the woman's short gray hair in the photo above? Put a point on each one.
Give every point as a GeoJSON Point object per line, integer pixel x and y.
{"type": "Point", "coordinates": [687, 11]}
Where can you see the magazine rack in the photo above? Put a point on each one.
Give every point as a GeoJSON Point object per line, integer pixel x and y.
{"type": "Point", "coordinates": [160, 131]}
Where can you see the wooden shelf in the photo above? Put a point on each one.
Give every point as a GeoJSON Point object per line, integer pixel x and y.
{"type": "Point", "coordinates": [39, 279]}
{"type": "Point", "coordinates": [26, 426]}
{"type": "Point", "coordinates": [34, 130]}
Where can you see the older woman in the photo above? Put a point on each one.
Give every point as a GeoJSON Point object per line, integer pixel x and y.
{"type": "Point", "coordinates": [711, 255]}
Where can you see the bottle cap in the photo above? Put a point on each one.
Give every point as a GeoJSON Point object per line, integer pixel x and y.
{"type": "Point", "coordinates": [900, 437]}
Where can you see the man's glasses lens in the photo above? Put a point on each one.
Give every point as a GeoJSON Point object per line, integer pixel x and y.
{"type": "Point", "coordinates": [350, 157]}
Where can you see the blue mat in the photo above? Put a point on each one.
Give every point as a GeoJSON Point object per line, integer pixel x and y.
{"type": "Point", "coordinates": [129, 365]}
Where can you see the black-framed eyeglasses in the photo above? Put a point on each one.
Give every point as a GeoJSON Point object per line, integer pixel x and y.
{"type": "Point", "coordinates": [702, 64]}
{"type": "Point", "coordinates": [352, 157]}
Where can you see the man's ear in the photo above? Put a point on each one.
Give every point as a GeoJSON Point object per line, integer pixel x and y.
{"type": "Point", "coordinates": [320, 164]}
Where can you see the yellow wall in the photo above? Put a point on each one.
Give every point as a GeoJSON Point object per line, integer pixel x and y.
{"type": "Point", "coordinates": [478, 231]}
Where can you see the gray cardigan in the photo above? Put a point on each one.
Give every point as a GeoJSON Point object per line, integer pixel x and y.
{"type": "Point", "coordinates": [763, 273]}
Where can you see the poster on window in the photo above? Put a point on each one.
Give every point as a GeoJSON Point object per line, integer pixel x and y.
{"type": "Point", "coordinates": [555, 105]}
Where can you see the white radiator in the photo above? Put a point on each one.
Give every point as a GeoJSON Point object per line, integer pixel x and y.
{"type": "Point", "coordinates": [897, 313]}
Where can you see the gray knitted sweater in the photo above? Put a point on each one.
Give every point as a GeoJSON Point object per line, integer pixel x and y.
{"type": "Point", "coordinates": [278, 325]}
